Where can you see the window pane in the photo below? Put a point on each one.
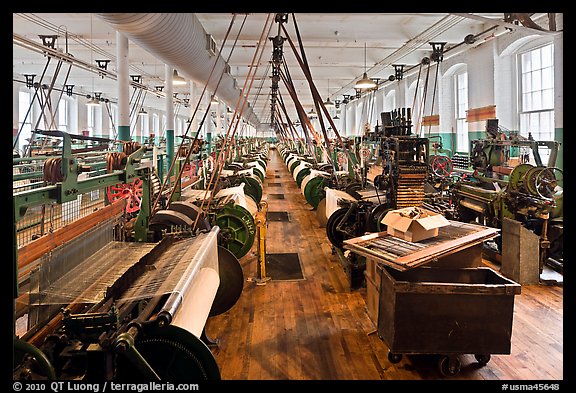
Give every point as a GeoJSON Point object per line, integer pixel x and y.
{"type": "Point", "coordinates": [535, 58]}
{"type": "Point", "coordinates": [526, 102]}
{"type": "Point", "coordinates": [547, 98]}
{"type": "Point", "coordinates": [23, 105]}
{"type": "Point", "coordinates": [547, 56]}
{"type": "Point", "coordinates": [547, 78]}
{"type": "Point", "coordinates": [526, 82]}
{"type": "Point", "coordinates": [537, 100]}
{"type": "Point", "coordinates": [526, 63]}
{"type": "Point", "coordinates": [536, 81]}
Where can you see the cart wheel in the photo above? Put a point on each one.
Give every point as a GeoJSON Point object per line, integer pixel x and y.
{"type": "Point", "coordinates": [449, 366]}
{"type": "Point", "coordinates": [482, 358]}
{"type": "Point", "coordinates": [394, 357]}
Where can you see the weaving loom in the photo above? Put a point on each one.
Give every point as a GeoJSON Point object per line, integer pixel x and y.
{"type": "Point", "coordinates": [134, 310]}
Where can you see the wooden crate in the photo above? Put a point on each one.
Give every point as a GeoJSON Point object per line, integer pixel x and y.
{"type": "Point", "coordinates": [373, 280]}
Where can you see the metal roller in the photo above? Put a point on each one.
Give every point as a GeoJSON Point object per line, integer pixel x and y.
{"type": "Point", "coordinates": [231, 282]}
{"type": "Point", "coordinates": [252, 187]}
{"type": "Point", "coordinates": [191, 211]}
{"type": "Point", "coordinates": [166, 219]}
{"type": "Point", "coordinates": [321, 213]}
{"type": "Point", "coordinates": [251, 205]}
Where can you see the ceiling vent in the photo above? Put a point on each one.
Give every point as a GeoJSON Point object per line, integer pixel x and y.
{"type": "Point", "coordinates": [210, 44]}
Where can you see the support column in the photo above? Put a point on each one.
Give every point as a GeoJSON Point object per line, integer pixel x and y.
{"type": "Point", "coordinates": [559, 97]}
{"type": "Point", "coordinates": [194, 94]}
{"type": "Point", "coordinates": [169, 118]}
{"type": "Point", "coordinates": [123, 87]}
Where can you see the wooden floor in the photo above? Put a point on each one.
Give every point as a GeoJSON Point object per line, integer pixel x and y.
{"type": "Point", "coordinates": [318, 329]}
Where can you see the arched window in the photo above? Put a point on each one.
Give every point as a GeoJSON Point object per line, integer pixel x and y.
{"type": "Point", "coordinates": [64, 114]}
{"type": "Point", "coordinates": [390, 101]}
{"type": "Point", "coordinates": [155, 124]}
{"type": "Point", "coordinates": [24, 122]}
{"type": "Point", "coordinates": [415, 102]}
{"type": "Point", "coordinates": [536, 92]}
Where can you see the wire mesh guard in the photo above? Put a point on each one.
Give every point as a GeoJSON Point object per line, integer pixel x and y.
{"type": "Point", "coordinates": [40, 220]}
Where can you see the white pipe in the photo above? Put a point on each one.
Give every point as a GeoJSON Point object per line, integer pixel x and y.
{"type": "Point", "coordinates": [180, 40]}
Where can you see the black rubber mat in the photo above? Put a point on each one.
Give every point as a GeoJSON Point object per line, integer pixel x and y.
{"type": "Point", "coordinates": [284, 266]}
{"type": "Point", "coordinates": [275, 184]}
{"type": "Point", "coordinates": [278, 216]}
{"type": "Point", "coordinates": [276, 196]}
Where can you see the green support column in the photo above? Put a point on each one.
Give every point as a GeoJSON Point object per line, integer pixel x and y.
{"type": "Point", "coordinates": [169, 150]}
{"type": "Point", "coordinates": [208, 142]}
{"type": "Point", "coordinates": [124, 133]}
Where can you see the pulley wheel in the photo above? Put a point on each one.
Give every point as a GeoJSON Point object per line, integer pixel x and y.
{"type": "Point", "coordinates": [516, 177]}
{"type": "Point", "coordinates": [441, 166]}
{"type": "Point", "coordinates": [191, 211]}
{"type": "Point", "coordinates": [376, 215]}
{"type": "Point", "coordinates": [301, 175]}
{"type": "Point", "coordinates": [231, 282]}
{"type": "Point", "coordinates": [314, 190]}
{"type": "Point", "coordinates": [174, 354]}
{"type": "Point", "coordinates": [237, 229]}
{"type": "Point", "coordinates": [258, 172]}
{"type": "Point", "coordinates": [132, 192]}
{"type": "Point", "coordinates": [293, 166]}
{"type": "Point", "coordinates": [336, 237]}
{"type": "Point", "coordinates": [234, 166]}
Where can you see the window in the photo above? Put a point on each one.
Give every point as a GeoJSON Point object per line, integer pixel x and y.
{"type": "Point", "coordinates": [537, 95]}
{"type": "Point", "coordinates": [144, 126]}
{"type": "Point", "coordinates": [415, 101]}
{"type": "Point", "coordinates": [390, 101]}
{"type": "Point", "coordinates": [63, 114]}
{"type": "Point", "coordinates": [461, 105]}
{"type": "Point", "coordinates": [24, 119]}
{"type": "Point", "coordinates": [155, 124]}
{"type": "Point", "coordinates": [91, 119]}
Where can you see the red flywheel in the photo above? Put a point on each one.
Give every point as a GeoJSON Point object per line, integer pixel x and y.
{"type": "Point", "coordinates": [132, 192]}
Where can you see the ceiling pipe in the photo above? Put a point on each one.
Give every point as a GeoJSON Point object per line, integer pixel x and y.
{"type": "Point", "coordinates": [178, 39]}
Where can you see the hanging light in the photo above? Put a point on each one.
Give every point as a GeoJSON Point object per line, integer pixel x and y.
{"type": "Point", "coordinates": [142, 112]}
{"type": "Point", "coordinates": [328, 103]}
{"type": "Point", "coordinates": [365, 82]}
{"type": "Point", "coordinates": [92, 101]}
{"type": "Point", "coordinates": [312, 114]}
{"type": "Point", "coordinates": [214, 101]}
{"type": "Point", "coordinates": [177, 80]}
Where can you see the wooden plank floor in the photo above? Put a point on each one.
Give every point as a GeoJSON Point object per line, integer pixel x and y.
{"type": "Point", "coordinates": [318, 329]}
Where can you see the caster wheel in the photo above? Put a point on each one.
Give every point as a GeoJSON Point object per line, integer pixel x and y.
{"type": "Point", "coordinates": [482, 359]}
{"type": "Point", "coordinates": [394, 357]}
{"type": "Point", "coordinates": [449, 366]}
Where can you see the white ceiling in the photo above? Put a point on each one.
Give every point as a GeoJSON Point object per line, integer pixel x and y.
{"type": "Point", "coordinates": [333, 43]}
